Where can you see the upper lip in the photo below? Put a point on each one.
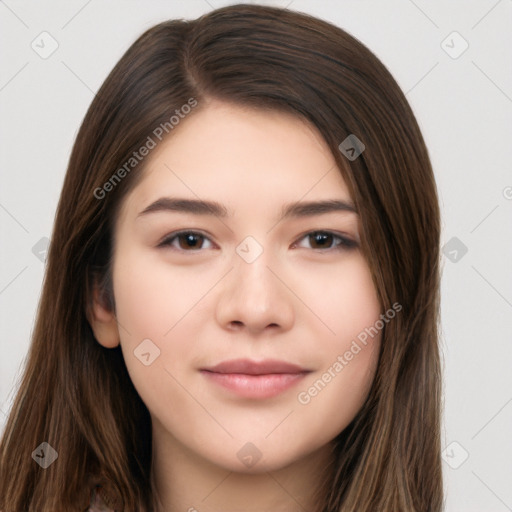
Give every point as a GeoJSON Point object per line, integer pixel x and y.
{"type": "Point", "coordinates": [248, 367]}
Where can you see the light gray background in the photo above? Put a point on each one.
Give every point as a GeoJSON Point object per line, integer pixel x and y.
{"type": "Point", "coordinates": [463, 106]}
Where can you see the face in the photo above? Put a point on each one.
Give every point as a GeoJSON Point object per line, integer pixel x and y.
{"type": "Point", "coordinates": [242, 318]}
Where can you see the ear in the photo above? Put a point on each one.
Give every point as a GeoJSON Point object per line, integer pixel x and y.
{"type": "Point", "coordinates": [103, 321]}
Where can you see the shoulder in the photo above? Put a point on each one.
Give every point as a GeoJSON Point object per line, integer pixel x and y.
{"type": "Point", "coordinates": [97, 503]}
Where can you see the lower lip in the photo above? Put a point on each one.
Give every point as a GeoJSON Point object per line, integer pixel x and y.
{"type": "Point", "coordinates": [255, 386]}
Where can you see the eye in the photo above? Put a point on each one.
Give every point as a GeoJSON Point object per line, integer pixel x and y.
{"type": "Point", "coordinates": [324, 240]}
{"type": "Point", "coordinates": [186, 241]}
{"type": "Point", "coordinates": [194, 241]}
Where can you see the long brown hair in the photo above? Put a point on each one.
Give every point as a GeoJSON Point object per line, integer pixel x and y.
{"type": "Point", "coordinates": [77, 395]}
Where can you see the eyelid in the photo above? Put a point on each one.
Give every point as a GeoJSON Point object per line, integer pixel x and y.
{"type": "Point", "coordinates": [346, 242]}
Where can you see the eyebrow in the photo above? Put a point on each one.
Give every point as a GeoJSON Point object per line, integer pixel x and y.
{"type": "Point", "coordinates": [297, 209]}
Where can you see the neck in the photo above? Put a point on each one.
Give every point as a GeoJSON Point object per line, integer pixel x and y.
{"type": "Point", "coordinates": [183, 481]}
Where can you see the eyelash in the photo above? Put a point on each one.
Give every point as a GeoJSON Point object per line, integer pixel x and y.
{"type": "Point", "coordinates": [344, 243]}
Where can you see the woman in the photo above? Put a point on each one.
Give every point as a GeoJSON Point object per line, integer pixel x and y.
{"type": "Point", "coordinates": [241, 301]}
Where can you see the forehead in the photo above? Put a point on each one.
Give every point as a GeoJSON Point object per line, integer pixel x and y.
{"type": "Point", "coordinates": [241, 157]}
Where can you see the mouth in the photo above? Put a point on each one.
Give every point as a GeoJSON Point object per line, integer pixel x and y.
{"type": "Point", "coordinates": [257, 380]}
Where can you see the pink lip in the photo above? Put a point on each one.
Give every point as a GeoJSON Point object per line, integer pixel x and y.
{"type": "Point", "coordinates": [252, 379]}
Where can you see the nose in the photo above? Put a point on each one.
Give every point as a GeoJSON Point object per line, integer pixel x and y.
{"type": "Point", "coordinates": [254, 298]}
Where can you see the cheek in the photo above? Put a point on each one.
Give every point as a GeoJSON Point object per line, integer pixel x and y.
{"type": "Point", "coordinates": [153, 303]}
{"type": "Point", "coordinates": [157, 302]}
{"type": "Point", "coordinates": [331, 400]}
{"type": "Point", "coordinates": [348, 349]}
{"type": "Point", "coordinates": [152, 297]}
{"type": "Point", "coordinates": [344, 298]}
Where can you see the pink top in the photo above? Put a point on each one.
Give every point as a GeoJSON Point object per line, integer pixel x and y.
{"type": "Point", "coordinates": [99, 502]}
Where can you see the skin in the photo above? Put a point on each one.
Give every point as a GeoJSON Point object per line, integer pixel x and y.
{"type": "Point", "coordinates": [300, 301]}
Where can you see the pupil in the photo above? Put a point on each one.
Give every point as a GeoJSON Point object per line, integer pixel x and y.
{"type": "Point", "coordinates": [322, 238]}
{"type": "Point", "coordinates": [191, 240]}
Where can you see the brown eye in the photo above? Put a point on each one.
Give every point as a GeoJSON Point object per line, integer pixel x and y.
{"type": "Point", "coordinates": [190, 241]}
{"type": "Point", "coordinates": [321, 240]}
{"type": "Point", "coordinates": [186, 241]}
{"type": "Point", "coordinates": [328, 240]}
